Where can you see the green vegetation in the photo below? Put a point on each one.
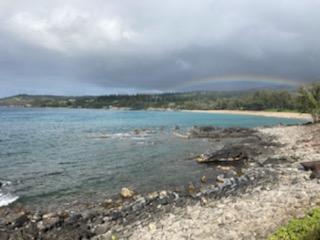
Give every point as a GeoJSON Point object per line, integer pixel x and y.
{"type": "Point", "coordinates": [259, 100]}
{"type": "Point", "coordinates": [309, 99]}
{"type": "Point", "coordinates": [307, 228]}
{"type": "Point", "coordinates": [305, 99]}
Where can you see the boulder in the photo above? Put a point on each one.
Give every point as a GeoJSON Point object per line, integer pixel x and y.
{"type": "Point", "coordinates": [163, 194]}
{"type": "Point", "coordinates": [191, 189]}
{"type": "Point", "coordinates": [153, 195]}
{"type": "Point", "coordinates": [126, 193]}
{"type": "Point", "coordinates": [20, 220]}
{"type": "Point", "coordinates": [314, 166]}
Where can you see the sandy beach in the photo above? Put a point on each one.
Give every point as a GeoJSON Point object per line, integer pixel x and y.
{"type": "Point", "coordinates": [290, 115]}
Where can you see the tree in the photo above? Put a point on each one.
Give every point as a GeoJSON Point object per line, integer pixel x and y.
{"type": "Point", "coordinates": [309, 98]}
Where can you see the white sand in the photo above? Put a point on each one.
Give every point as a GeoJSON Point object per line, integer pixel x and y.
{"type": "Point", "coordinates": [291, 115]}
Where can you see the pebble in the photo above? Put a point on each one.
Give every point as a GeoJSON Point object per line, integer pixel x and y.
{"type": "Point", "coordinates": [152, 227]}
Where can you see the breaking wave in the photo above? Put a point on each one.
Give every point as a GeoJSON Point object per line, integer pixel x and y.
{"type": "Point", "coordinates": [6, 198]}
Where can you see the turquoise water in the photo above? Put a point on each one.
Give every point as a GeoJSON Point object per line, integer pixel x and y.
{"type": "Point", "coordinates": [59, 154]}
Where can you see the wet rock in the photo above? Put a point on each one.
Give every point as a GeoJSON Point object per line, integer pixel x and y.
{"type": "Point", "coordinates": [220, 178]}
{"type": "Point", "coordinates": [37, 216]}
{"type": "Point", "coordinates": [163, 194]}
{"type": "Point", "coordinates": [191, 189]}
{"type": "Point", "coordinates": [203, 179]}
{"type": "Point", "coordinates": [153, 195]}
{"type": "Point", "coordinates": [49, 223]}
{"type": "Point", "coordinates": [203, 131]}
{"type": "Point", "coordinates": [20, 220]}
{"type": "Point", "coordinates": [216, 132]}
{"type": "Point", "coordinates": [229, 153]}
{"type": "Point", "coordinates": [126, 193]}
{"type": "Point", "coordinates": [107, 203]}
{"type": "Point", "coordinates": [176, 196]}
{"type": "Point", "coordinates": [163, 198]}
{"type": "Point", "coordinates": [73, 219]}
{"type": "Point", "coordinates": [139, 204]}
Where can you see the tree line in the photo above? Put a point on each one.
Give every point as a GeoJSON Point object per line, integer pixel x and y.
{"type": "Point", "coordinates": [304, 99]}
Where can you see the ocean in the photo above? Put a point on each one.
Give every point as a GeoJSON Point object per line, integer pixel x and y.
{"type": "Point", "coordinates": [59, 155]}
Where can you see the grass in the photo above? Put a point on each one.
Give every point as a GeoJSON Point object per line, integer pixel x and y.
{"type": "Point", "coordinates": [306, 228]}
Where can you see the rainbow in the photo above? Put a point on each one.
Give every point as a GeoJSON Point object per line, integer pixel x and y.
{"type": "Point", "coordinates": [238, 78]}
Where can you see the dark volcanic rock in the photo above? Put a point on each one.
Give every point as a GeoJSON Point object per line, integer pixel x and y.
{"type": "Point", "coordinates": [226, 154]}
{"type": "Point", "coordinates": [20, 221]}
{"type": "Point", "coordinates": [217, 132]}
{"type": "Point", "coordinates": [314, 167]}
{"type": "Point", "coordinates": [274, 160]}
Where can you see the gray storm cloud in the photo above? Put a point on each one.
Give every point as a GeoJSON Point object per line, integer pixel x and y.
{"type": "Point", "coordinates": [153, 45]}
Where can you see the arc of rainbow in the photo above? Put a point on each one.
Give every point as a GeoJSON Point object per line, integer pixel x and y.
{"type": "Point", "coordinates": [237, 78]}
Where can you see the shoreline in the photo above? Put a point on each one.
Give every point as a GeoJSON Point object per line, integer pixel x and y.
{"type": "Point", "coordinates": [267, 193]}
{"type": "Point", "coordinates": [286, 191]}
{"type": "Point", "coordinates": [289, 115]}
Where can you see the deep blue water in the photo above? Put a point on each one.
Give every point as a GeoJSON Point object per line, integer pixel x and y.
{"type": "Point", "coordinates": [56, 154]}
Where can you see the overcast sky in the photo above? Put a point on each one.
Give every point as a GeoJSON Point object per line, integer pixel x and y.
{"type": "Point", "coordinates": [126, 46]}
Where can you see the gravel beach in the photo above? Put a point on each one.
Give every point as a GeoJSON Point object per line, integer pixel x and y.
{"type": "Point", "coordinates": [259, 211]}
{"type": "Point", "coordinates": [272, 188]}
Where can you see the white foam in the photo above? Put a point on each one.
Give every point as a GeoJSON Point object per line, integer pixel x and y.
{"type": "Point", "coordinates": [6, 199]}
{"type": "Point", "coordinates": [5, 183]}
{"type": "Point", "coordinates": [122, 135]}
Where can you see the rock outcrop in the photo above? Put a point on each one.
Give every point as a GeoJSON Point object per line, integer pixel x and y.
{"type": "Point", "coordinates": [314, 166]}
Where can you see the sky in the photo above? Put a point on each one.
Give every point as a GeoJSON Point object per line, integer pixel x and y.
{"type": "Point", "coordinates": [81, 47]}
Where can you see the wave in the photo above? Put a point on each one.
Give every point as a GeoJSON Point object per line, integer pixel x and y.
{"type": "Point", "coordinates": [5, 197]}
{"type": "Point", "coordinates": [133, 135]}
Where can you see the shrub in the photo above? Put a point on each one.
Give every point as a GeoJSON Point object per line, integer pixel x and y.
{"type": "Point", "coordinates": [307, 228]}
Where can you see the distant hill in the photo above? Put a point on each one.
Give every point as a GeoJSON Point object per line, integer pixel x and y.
{"type": "Point", "coordinates": [249, 100]}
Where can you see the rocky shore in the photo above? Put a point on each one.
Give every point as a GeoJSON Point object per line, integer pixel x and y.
{"type": "Point", "coordinates": [269, 187]}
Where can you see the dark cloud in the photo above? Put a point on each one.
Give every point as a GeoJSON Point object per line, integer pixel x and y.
{"type": "Point", "coordinates": [78, 47]}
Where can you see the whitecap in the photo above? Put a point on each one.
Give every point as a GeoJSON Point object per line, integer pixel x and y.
{"type": "Point", "coordinates": [4, 183]}
{"type": "Point", "coordinates": [121, 135]}
{"type": "Point", "coordinates": [6, 199]}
